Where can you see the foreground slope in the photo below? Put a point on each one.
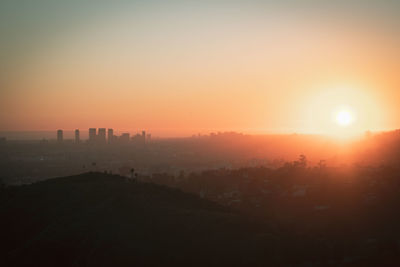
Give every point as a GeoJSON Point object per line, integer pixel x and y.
{"type": "Point", "coordinates": [98, 219]}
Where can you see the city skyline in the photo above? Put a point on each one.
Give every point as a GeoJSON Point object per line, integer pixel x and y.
{"type": "Point", "coordinates": [179, 68]}
{"type": "Point", "coordinates": [200, 133]}
{"type": "Point", "coordinates": [101, 136]}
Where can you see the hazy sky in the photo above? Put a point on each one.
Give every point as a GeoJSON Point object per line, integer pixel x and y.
{"type": "Point", "coordinates": [182, 67]}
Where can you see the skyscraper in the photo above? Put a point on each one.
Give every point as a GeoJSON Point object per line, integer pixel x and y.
{"type": "Point", "coordinates": [110, 135]}
{"type": "Point", "coordinates": [77, 136]}
{"type": "Point", "coordinates": [101, 137]}
{"type": "Point", "coordinates": [60, 136]}
{"type": "Point", "coordinates": [92, 135]}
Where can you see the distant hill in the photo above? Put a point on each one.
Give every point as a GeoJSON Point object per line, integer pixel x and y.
{"type": "Point", "coordinates": [97, 219]}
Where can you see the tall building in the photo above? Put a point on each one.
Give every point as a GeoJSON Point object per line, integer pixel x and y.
{"type": "Point", "coordinates": [77, 136]}
{"type": "Point", "coordinates": [60, 136]}
{"type": "Point", "coordinates": [101, 137]}
{"type": "Point", "coordinates": [92, 135]}
{"type": "Point", "coordinates": [110, 135]}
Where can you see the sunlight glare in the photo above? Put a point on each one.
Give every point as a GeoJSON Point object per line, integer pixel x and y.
{"type": "Point", "coordinates": [344, 118]}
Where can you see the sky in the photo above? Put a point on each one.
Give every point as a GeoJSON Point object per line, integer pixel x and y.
{"type": "Point", "coordinates": [178, 68]}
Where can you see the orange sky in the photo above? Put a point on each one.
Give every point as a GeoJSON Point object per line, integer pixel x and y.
{"type": "Point", "coordinates": [199, 68]}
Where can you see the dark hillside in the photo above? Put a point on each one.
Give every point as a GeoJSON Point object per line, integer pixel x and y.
{"type": "Point", "coordinates": [98, 219]}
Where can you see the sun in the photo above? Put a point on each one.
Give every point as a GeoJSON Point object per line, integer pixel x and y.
{"type": "Point", "coordinates": [344, 118]}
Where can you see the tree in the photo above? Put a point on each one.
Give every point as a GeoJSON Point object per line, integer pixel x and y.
{"type": "Point", "coordinates": [302, 162]}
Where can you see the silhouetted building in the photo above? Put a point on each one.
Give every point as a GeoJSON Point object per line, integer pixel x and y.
{"type": "Point", "coordinates": [3, 140]}
{"type": "Point", "coordinates": [139, 139]}
{"type": "Point", "coordinates": [148, 138]}
{"type": "Point", "coordinates": [92, 135]}
{"type": "Point", "coordinates": [101, 137]}
{"type": "Point", "coordinates": [77, 136]}
{"type": "Point", "coordinates": [144, 137]}
{"type": "Point", "coordinates": [124, 138]}
{"type": "Point", "coordinates": [110, 135]}
{"type": "Point", "coordinates": [60, 136]}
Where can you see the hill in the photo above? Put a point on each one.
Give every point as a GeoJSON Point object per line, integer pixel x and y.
{"type": "Point", "coordinates": [97, 219]}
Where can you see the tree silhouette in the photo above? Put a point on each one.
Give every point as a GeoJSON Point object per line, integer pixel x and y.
{"type": "Point", "coordinates": [302, 163]}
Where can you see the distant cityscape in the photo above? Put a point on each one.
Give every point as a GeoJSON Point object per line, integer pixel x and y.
{"type": "Point", "coordinates": [106, 136]}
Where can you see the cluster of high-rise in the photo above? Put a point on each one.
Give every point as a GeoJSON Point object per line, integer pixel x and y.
{"type": "Point", "coordinates": [99, 136]}
{"type": "Point", "coordinates": [104, 136]}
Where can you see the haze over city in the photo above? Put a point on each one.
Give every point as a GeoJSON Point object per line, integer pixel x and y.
{"type": "Point", "coordinates": [199, 133]}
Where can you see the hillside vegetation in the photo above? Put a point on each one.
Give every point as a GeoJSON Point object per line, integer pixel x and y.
{"type": "Point", "coordinates": [98, 219]}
